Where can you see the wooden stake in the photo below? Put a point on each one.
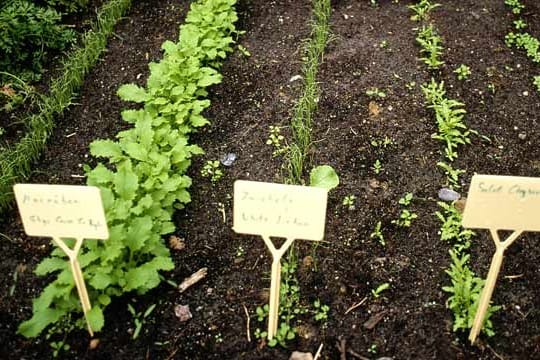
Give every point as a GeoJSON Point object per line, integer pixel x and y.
{"type": "Point", "coordinates": [77, 276]}
{"type": "Point", "coordinates": [489, 286]}
{"type": "Point", "coordinates": [273, 313]}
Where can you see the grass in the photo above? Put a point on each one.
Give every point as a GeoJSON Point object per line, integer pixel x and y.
{"type": "Point", "coordinates": [16, 161]}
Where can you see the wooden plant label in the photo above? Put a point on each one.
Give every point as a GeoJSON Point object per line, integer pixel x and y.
{"type": "Point", "coordinates": [287, 211]}
{"type": "Point", "coordinates": [64, 211]}
{"type": "Point", "coordinates": [500, 203]}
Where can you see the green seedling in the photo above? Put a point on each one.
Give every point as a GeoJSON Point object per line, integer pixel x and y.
{"type": "Point", "coordinates": [139, 318]}
{"type": "Point", "coordinates": [405, 218]}
{"type": "Point", "coordinates": [422, 9]}
{"type": "Point", "coordinates": [520, 24]}
{"type": "Point", "coordinates": [377, 167]}
{"type": "Point", "coordinates": [58, 347]}
{"type": "Point", "coordinates": [384, 44]}
{"type": "Point", "coordinates": [431, 46]}
{"type": "Point", "coordinates": [277, 141]}
{"type": "Point", "coordinates": [375, 93]}
{"type": "Point", "coordinates": [378, 291]}
{"type": "Point", "coordinates": [465, 294]}
{"type": "Point", "coordinates": [372, 349]}
{"type": "Point", "coordinates": [410, 85]}
{"type": "Point", "coordinates": [240, 251]}
{"type": "Point", "coordinates": [349, 201]}
{"type": "Point", "coordinates": [212, 170]}
{"type": "Point", "coordinates": [244, 51]}
{"type": "Point", "coordinates": [491, 88]}
{"type": "Point", "coordinates": [451, 229]}
{"type": "Point", "coordinates": [382, 143]}
{"type": "Point", "coordinates": [406, 200]}
{"type": "Point", "coordinates": [516, 6]}
{"type": "Point", "coordinates": [452, 175]}
{"type": "Point", "coordinates": [373, 3]}
{"type": "Point", "coordinates": [536, 82]}
{"type": "Point", "coordinates": [463, 72]}
{"type": "Point", "coordinates": [321, 311]}
{"type": "Point", "coordinates": [377, 234]}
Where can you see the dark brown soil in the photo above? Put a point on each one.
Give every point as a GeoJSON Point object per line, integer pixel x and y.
{"type": "Point", "coordinates": [256, 92]}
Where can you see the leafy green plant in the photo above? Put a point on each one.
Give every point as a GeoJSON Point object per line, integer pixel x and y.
{"type": "Point", "coordinates": [139, 318]}
{"type": "Point", "coordinates": [379, 290]}
{"type": "Point", "coordinates": [27, 33]}
{"type": "Point", "coordinates": [536, 82]}
{"type": "Point", "coordinates": [516, 6]}
{"type": "Point", "coordinates": [382, 143]}
{"type": "Point", "coordinates": [377, 234]}
{"type": "Point", "coordinates": [372, 349]}
{"type": "Point", "coordinates": [320, 311]}
{"type": "Point", "coordinates": [451, 229]}
{"type": "Point", "coordinates": [405, 218]}
{"type": "Point", "coordinates": [452, 175]}
{"type": "Point", "coordinates": [526, 42]}
{"type": "Point", "coordinates": [406, 199]}
{"type": "Point", "coordinates": [68, 5]}
{"type": "Point", "coordinates": [324, 176]}
{"type": "Point", "coordinates": [449, 114]}
{"type": "Point", "coordinates": [377, 167]}
{"type": "Point", "coordinates": [431, 46]}
{"type": "Point", "coordinates": [465, 295]}
{"type": "Point", "coordinates": [348, 201]}
{"type": "Point", "coordinates": [463, 72]}
{"type": "Point", "coordinates": [520, 24]}
{"type": "Point", "coordinates": [421, 10]}
{"type": "Point", "coordinates": [375, 93]}
{"type": "Point", "coordinates": [276, 140]}
{"type": "Point", "coordinates": [211, 169]}
{"type": "Point", "coordinates": [58, 347]}
{"type": "Point", "coordinates": [145, 179]}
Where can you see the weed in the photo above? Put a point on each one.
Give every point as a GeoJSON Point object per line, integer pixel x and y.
{"type": "Point", "coordinates": [465, 290]}
{"type": "Point", "coordinates": [244, 51]}
{"type": "Point", "coordinates": [406, 200]}
{"type": "Point", "coordinates": [378, 291]}
{"type": "Point", "coordinates": [405, 218]}
{"type": "Point", "coordinates": [277, 141]}
{"type": "Point", "coordinates": [375, 93]}
{"type": "Point", "coordinates": [349, 201]}
{"type": "Point", "coordinates": [410, 85]}
{"type": "Point", "coordinates": [240, 251]}
{"type": "Point", "coordinates": [321, 311]}
{"type": "Point", "coordinates": [377, 167]}
{"type": "Point", "coordinates": [384, 44]}
{"type": "Point", "coordinates": [377, 234]}
{"type": "Point", "coordinates": [536, 82]}
{"type": "Point", "coordinates": [139, 318]}
{"type": "Point", "coordinates": [382, 143]}
{"type": "Point", "coordinates": [212, 170]}
{"type": "Point", "coordinates": [463, 72]}
{"type": "Point", "coordinates": [422, 9]}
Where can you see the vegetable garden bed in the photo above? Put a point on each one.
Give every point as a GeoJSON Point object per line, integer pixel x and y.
{"type": "Point", "coordinates": [372, 48]}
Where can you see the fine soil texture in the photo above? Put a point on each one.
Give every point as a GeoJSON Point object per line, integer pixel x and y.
{"type": "Point", "coordinates": [370, 47]}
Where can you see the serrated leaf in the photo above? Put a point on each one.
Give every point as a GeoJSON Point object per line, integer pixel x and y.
{"type": "Point", "coordinates": [132, 92]}
{"type": "Point", "coordinates": [324, 176]}
{"type": "Point", "coordinates": [106, 148]}
{"type": "Point", "coordinates": [136, 151]}
{"type": "Point", "coordinates": [39, 321]}
{"type": "Point", "coordinates": [139, 230]}
{"type": "Point", "coordinates": [50, 265]}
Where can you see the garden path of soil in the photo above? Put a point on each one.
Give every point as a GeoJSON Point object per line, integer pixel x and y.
{"type": "Point", "coordinates": [256, 93]}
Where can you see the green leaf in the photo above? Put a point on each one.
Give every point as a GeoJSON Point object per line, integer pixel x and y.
{"type": "Point", "coordinates": [38, 322]}
{"type": "Point", "coordinates": [132, 92]}
{"type": "Point", "coordinates": [125, 182]}
{"type": "Point", "coordinates": [324, 177]}
{"type": "Point", "coordinates": [136, 151]}
{"type": "Point", "coordinates": [50, 265]}
{"type": "Point", "coordinates": [95, 318]}
{"type": "Point", "coordinates": [106, 148]}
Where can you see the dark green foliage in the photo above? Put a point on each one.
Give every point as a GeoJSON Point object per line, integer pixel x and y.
{"type": "Point", "coordinates": [27, 33]}
{"type": "Point", "coordinates": [68, 5]}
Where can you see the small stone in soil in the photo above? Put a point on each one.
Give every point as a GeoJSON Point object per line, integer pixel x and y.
{"type": "Point", "coordinates": [228, 159]}
{"type": "Point", "coordinates": [182, 312]}
{"type": "Point", "coordinates": [297, 355]}
{"type": "Point", "coordinates": [448, 194]}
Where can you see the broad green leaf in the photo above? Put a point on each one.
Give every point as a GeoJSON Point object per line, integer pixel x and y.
{"type": "Point", "coordinates": [136, 151]}
{"type": "Point", "coordinates": [125, 182]}
{"type": "Point", "coordinates": [49, 265]}
{"type": "Point", "coordinates": [105, 148]}
{"type": "Point", "coordinates": [132, 92]}
{"type": "Point", "coordinates": [324, 176]}
{"type": "Point", "coordinates": [39, 321]}
{"type": "Point", "coordinates": [95, 318]}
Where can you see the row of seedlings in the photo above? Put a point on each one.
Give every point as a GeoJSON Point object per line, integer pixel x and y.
{"type": "Point", "coordinates": [143, 180]}
{"type": "Point", "coordinates": [452, 132]}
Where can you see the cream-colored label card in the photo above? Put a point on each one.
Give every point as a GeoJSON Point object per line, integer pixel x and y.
{"type": "Point", "coordinates": [503, 203]}
{"type": "Point", "coordinates": [290, 211]}
{"type": "Point", "coordinates": [61, 211]}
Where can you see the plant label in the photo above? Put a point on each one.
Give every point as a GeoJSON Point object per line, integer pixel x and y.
{"type": "Point", "coordinates": [289, 211]}
{"type": "Point", "coordinates": [500, 203]}
{"type": "Point", "coordinates": [61, 211]}
{"type": "Point", "coordinates": [279, 210]}
{"type": "Point", "coordinates": [503, 202]}
{"type": "Point", "coordinates": [64, 211]}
